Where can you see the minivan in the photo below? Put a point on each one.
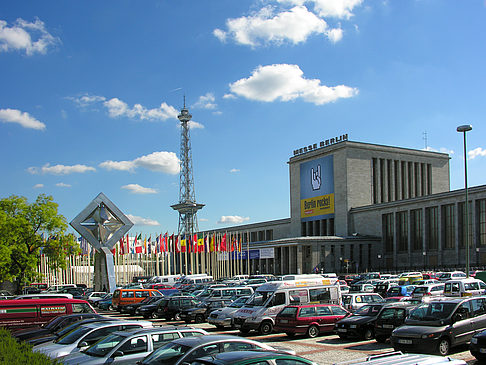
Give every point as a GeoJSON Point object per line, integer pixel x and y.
{"type": "Point", "coordinates": [34, 312]}
{"type": "Point", "coordinates": [354, 301]}
{"type": "Point", "coordinates": [122, 297]}
{"type": "Point", "coordinates": [441, 324]}
{"type": "Point", "coordinates": [229, 292]}
{"type": "Point", "coordinates": [464, 288]}
{"type": "Point", "coordinates": [309, 319]}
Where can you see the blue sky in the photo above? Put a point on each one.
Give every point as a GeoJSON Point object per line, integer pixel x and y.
{"type": "Point", "coordinates": [90, 92]}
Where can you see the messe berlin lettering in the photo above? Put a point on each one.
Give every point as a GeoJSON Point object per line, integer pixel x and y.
{"type": "Point", "coordinates": [325, 143]}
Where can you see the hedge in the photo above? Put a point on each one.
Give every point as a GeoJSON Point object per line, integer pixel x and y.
{"type": "Point", "coordinates": [13, 352]}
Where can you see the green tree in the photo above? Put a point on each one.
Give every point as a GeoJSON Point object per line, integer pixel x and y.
{"type": "Point", "coordinates": [26, 231]}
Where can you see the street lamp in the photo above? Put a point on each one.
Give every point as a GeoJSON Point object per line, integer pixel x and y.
{"type": "Point", "coordinates": [463, 129]}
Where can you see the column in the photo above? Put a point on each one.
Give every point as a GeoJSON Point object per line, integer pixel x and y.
{"type": "Point", "coordinates": [424, 238]}
{"type": "Point", "coordinates": [299, 259]}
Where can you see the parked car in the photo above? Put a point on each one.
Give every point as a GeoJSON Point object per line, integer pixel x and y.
{"type": "Point", "coordinates": [132, 308]}
{"type": "Point", "coordinates": [200, 312]}
{"type": "Point", "coordinates": [426, 282]}
{"type": "Point", "coordinates": [223, 317]}
{"type": "Point", "coordinates": [129, 346]}
{"type": "Point", "coordinates": [170, 308]}
{"type": "Point", "coordinates": [441, 324]}
{"type": "Point", "coordinates": [54, 325]}
{"type": "Point", "coordinates": [477, 346]}
{"type": "Point", "coordinates": [383, 286]}
{"type": "Point", "coordinates": [431, 290]}
{"type": "Point", "coordinates": [399, 358]}
{"type": "Point", "coordinates": [105, 303]}
{"type": "Point", "coordinates": [309, 319]}
{"type": "Point", "coordinates": [361, 323]}
{"type": "Point", "coordinates": [252, 358]}
{"type": "Point", "coordinates": [149, 309]}
{"type": "Point", "coordinates": [400, 291]}
{"type": "Point", "coordinates": [94, 296]}
{"type": "Point", "coordinates": [390, 318]}
{"type": "Point", "coordinates": [354, 301]}
{"type": "Point", "coordinates": [185, 350]}
{"type": "Point", "coordinates": [464, 287]}
{"type": "Point", "coordinates": [84, 336]}
{"type": "Point", "coordinates": [122, 297]}
{"type": "Point", "coordinates": [445, 276]}
{"type": "Point", "coordinates": [361, 288]}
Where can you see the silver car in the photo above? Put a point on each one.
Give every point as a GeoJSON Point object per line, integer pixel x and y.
{"type": "Point", "coordinates": [128, 347]}
{"type": "Point", "coordinates": [84, 336]}
{"type": "Point", "coordinates": [223, 317]}
{"type": "Point", "coordinates": [185, 350]}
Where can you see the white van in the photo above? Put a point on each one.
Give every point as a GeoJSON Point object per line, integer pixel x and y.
{"type": "Point", "coordinates": [302, 277]}
{"type": "Point", "coordinates": [464, 287]}
{"type": "Point", "coordinates": [269, 299]}
{"type": "Point", "coordinates": [195, 279]}
{"type": "Point", "coordinates": [228, 292]}
{"type": "Point", "coordinates": [164, 279]}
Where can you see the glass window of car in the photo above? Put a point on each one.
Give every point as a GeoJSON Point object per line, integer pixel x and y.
{"type": "Point", "coordinates": [105, 345]}
{"type": "Point", "coordinates": [320, 295]}
{"type": "Point", "coordinates": [160, 339]}
{"type": "Point", "coordinates": [388, 313]}
{"type": "Point", "coordinates": [347, 299]}
{"type": "Point", "coordinates": [288, 312]}
{"type": "Point", "coordinates": [167, 354]}
{"type": "Point", "coordinates": [99, 333]}
{"type": "Point", "coordinates": [243, 291]}
{"type": "Point", "coordinates": [323, 311]}
{"type": "Point", "coordinates": [432, 311]}
{"type": "Point", "coordinates": [237, 346]}
{"type": "Point", "coordinates": [72, 336]}
{"type": "Point", "coordinates": [81, 308]}
{"type": "Point", "coordinates": [298, 296]}
{"type": "Point", "coordinates": [338, 311]}
{"type": "Point", "coordinates": [202, 351]}
{"type": "Point", "coordinates": [191, 334]}
{"type": "Point", "coordinates": [134, 345]}
{"type": "Point", "coordinates": [464, 310]}
{"type": "Point", "coordinates": [127, 294]}
{"type": "Point", "coordinates": [155, 293]}
{"type": "Point", "coordinates": [307, 312]}
{"type": "Point", "coordinates": [478, 307]}
{"type": "Point", "coordinates": [277, 299]}
{"type": "Point", "coordinates": [471, 286]}
{"type": "Point", "coordinates": [368, 310]}
{"type": "Point", "coordinates": [289, 362]}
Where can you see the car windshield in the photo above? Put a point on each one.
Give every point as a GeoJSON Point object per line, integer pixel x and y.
{"type": "Point", "coordinates": [240, 302]}
{"type": "Point", "coordinates": [101, 348]}
{"type": "Point", "coordinates": [368, 310]}
{"type": "Point", "coordinates": [168, 354]}
{"type": "Point", "coordinates": [432, 311]}
{"type": "Point", "coordinates": [347, 299]}
{"type": "Point", "coordinates": [67, 329]}
{"type": "Point", "coordinates": [259, 299]}
{"type": "Point", "coordinates": [72, 336]}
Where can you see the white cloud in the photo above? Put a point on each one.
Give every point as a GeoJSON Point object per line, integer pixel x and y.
{"type": "Point", "coordinates": [329, 8]}
{"type": "Point", "coordinates": [203, 220]}
{"type": "Point", "coordinates": [60, 169]}
{"type": "Point", "coordinates": [335, 35]}
{"type": "Point", "coordinates": [24, 119]}
{"type": "Point", "coordinates": [206, 102]}
{"type": "Point", "coordinates": [38, 186]}
{"type": "Point", "coordinates": [63, 185]}
{"type": "Point", "coordinates": [265, 27]}
{"type": "Point", "coordinates": [441, 150]}
{"type": "Point", "coordinates": [232, 219]}
{"type": "Point", "coordinates": [162, 161]}
{"type": "Point", "coordinates": [285, 83]}
{"type": "Point", "coordinates": [476, 153]}
{"type": "Point", "coordinates": [195, 125]}
{"type": "Point", "coordinates": [138, 189]}
{"type": "Point", "coordinates": [235, 170]}
{"type": "Point", "coordinates": [31, 37]}
{"type": "Point", "coordinates": [118, 108]}
{"type": "Point", "coordinates": [140, 221]}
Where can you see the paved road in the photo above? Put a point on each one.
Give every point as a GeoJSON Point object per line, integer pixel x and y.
{"type": "Point", "coordinates": [325, 349]}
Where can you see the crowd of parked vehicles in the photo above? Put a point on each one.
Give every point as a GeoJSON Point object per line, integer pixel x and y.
{"type": "Point", "coordinates": [416, 312]}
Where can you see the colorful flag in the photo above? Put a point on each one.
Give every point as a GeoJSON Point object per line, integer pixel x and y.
{"type": "Point", "coordinates": [222, 246]}
{"type": "Point", "coordinates": [148, 245]}
{"type": "Point", "coordinates": [165, 246]}
{"type": "Point", "coordinates": [211, 244]}
{"type": "Point", "coordinates": [183, 244]}
{"type": "Point", "coordinates": [138, 243]}
{"type": "Point", "coordinates": [206, 243]}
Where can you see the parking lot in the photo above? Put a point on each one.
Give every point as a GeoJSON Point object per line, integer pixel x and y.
{"type": "Point", "coordinates": [325, 349]}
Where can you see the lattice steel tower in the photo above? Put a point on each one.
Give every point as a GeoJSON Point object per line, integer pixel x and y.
{"type": "Point", "coordinates": [187, 206]}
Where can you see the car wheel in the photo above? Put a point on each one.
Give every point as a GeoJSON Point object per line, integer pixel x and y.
{"type": "Point", "coordinates": [380, 339]}
{"type": "Point", "coordinates": [199, 318]}
{"type": "Point", "coordinates": [177, 317]}
{"type": "Point", "coordinates": [444, 346]}
{"type": "Point", "coordinates": [111, 308]}
{"type": "Point", "coordinates": [368, 334]}
{"type": "Point", "coordinates": [265, 328]}
{"type": "Point", "coordinates": [313, 331]}
{"type": "Point", "coordinates": [154, 315]}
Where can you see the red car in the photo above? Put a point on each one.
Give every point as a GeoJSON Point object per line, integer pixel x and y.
{"type": "Point", "coordinates": [161, 286]}
{"type": "Point", "coordinates": [309, 319]}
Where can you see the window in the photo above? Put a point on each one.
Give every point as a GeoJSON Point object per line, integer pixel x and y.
{"type": "Point", "coordinates": [202, 351]}
{"type": "Point", "coordinates": [323, 311]}
{"type": "Point", "coordinates": [402, 230]}
{"type": "Point", "coordinates": [162, 338]}
{"type": "Point", "coordinates": [339, 311]}
{"type": "Point", "coordinates": [388, 232]}
{"type": "Point", "coordinates": [464, 310]}
{"type": "Point", "coordinates": [237, 346]}
{"type": "Point", "coordinates": [307, 312]}
{"type": "Point", "coordinates": [319, 295]}
{"type": "Point", "coordinates": [80, 308]}
{"type": "Point", "coordinates": [278, 299]}
{"type": "Point", "coordinates": [448, 224]}
{"type": "Point", "coordinates": [134, 345]}
{"type": "Point", "coordinates": [142, 294]}
{"type": "Point", "coordinates": [433, 227]}
{"type": "Point", "coordinates": [298, 296]}
{"type": "Point", "coordinates": [127, 294]}
{"type": "Point", "coordinates": [191, 334]}
{"type": "Point", "coordinates": [375, 180]}
{"type": "Point", "coordinates": [289, 362]}
{"type": "Point", "coordinates": [98, 334]}
{"type": "Point", "coordinates": [416, 234]}
{"type": "Point", "coordinates": [462, 224]}
{"type": "Point", "coordinates": [478, 307]}
{"type": "Point", "coordinates": [482, 221]}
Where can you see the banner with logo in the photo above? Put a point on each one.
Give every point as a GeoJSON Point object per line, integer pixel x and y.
{"type": "Point", "coordinates": [317, 189]}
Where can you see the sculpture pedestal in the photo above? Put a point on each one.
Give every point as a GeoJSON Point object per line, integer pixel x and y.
{"type": "Point", "coordinates": [104, 271]}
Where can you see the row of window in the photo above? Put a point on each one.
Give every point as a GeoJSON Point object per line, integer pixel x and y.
{"type": "Point", "coordinates": [410, 225]}
{"type": "Point", "coordinates": [320, 227]}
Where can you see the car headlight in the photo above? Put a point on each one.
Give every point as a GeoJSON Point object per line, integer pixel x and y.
{"type": "Point", "coordinates": [353, 326]}
{"type": "Point", "coordinates": [429, 335]}
{"type": "Point", "coordinates": [474, 340]}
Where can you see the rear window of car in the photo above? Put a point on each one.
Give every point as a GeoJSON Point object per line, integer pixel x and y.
{"type": "Point", "coordinates": [471, 286]}
{"type": "Point", "coordinates": [323, 311]}
{"type": "Point", "coordinates": [307, 312]}
{"type": "Point", "coordinates": [338, 311]}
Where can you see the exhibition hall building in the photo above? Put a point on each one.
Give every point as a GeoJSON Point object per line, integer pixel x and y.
{"type": "Point", "coordinates": [358, 207]}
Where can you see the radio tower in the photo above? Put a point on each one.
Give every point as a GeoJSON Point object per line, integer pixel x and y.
{"type": "Point", "coordinates": [187, 206]}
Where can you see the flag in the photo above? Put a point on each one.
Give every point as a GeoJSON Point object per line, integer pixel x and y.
{"type": "Point", "coordinates": [148, 246]}
{"type": "Point", "coordinates": [206, 243]}
{"type": "Point", "coordinates": [200, 242]}
{"type": "Point", "coordinates": [165, 246]}
{"type": "Point", "coordinates": [211, 244]}
{"type": "Point", "coordinates": [222, 246]}
{"type": "Point", "coordinates": [122, 246]}
{"type": "Point", "coordinates": [183, 244]}
{"type": "Point", "coordinates": [158, 239]}
{"type": "Point", "coordinates": [138, 243]}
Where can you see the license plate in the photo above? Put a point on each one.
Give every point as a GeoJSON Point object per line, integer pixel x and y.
{"type": "Point", "coordinates": [342, 330]}
{"type": "Point", "coordinates": [284, 321]}
{"type": "Point", "coordinates": [387, 326]}
{"type": "Point", "coordinates": [483, 351]}
{"type": "Point", "coordinates": [405, 342]}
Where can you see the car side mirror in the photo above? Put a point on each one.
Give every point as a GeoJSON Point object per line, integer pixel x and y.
{"type": "Point", "coordinates": [83, 344]}
{"type": "Point", "coordinates": [119, 354]}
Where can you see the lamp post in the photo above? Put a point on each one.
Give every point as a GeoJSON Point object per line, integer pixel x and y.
{"type": "Point", "coordinates": [463, 129]}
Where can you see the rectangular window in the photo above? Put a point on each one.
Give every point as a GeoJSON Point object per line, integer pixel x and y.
{"type": "Point", "coordinates": [319, 295]}
{"type": "Point", "coordinates": [331, 226]}
{"type": "Point", "coordinates": [462, 225]}
{"type": "Point", "coordinates": [317, 230]}
{"type": "Point", "coordinates": [416, 233]}
{"type": "Point", "coordinates": [402, 230]}
{"type": "Point", "coordinates": [404, 180]}
{"type": "Point", "coordinates": [396, 180]}
{"type": "Point", "coordinates": [433, 228]}
{"type": "Point", "coordinates": [389, 179]}
{"type": "Point", "coordinates": [482, 221]}
{"type": "Point", "coordinates": [429, 178]}
{"type": "Point", "coordinates": [417, 178]}
{"type": "Point", "coordinates": [410, 180]}
{"type": "Point", "coordinates": [269, 234]}
{"type": "Point", "coordinates": [303, 229]}
{"type": "Point", "coordinates": [382, 180]}
{"type": "Point", "coordinates": [449, 225]}
{"type": "Point", "coordinates": [422, 178]}
{"type": "Point", "coordinates": [388, 232]}
{"type": "Point", "coordinates": [374, 180]}
{"type": "Point", "coordinates": [299, 296]}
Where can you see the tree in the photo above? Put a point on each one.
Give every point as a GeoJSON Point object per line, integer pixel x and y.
{"type": "Point", "coordinates": [27, 231]}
